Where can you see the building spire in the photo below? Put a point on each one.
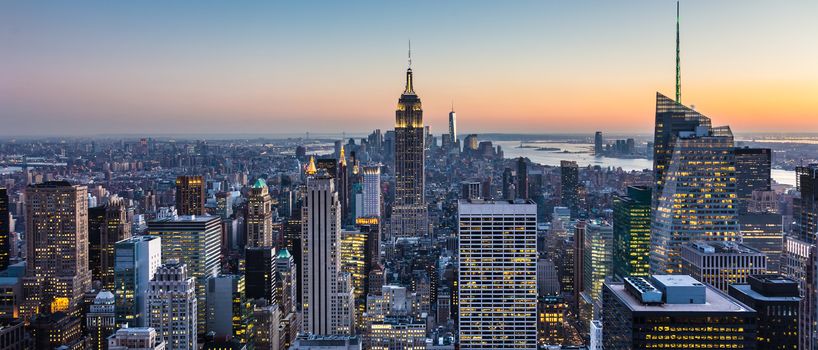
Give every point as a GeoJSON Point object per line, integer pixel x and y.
{"type": "Point", "coordinates": [678, 64]}
{"type": "Point", "coordinates": [311, 170]}
{"type": "Point", "coordinates": [342, 159]}
{"type": "Point", "coordinates": [409, 88]}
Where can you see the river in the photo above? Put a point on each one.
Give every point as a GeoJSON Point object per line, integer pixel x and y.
{"type": "Point", "coordinates": [581, 153]}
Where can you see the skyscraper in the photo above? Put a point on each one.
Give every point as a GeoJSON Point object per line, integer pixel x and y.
{"type": "Point", "coordinates": [229, 315]}
{"type": "Point", "coordinates": [721, 264]}
{"type": "Point", "coordinates": [172, 306]}
{"type": "Point", "coordinates": [695, 185]}
{"type": "Point", "coordinates": [57, 274]}
{"type": "Point", "coordinates": [453, 128]}
{"type": "Point", "coordinates": [752, 174]}
{"type": "Point", "coordinates": [5, 231]}
{"type": "Point", "coordinates": [371, 192]}
{"type": "Point", "coordinates": [631, 229]}
{"type": "Point", "coordinates": [409, 212]}
{"type": "Point", "coordinates": [497, 278]}
{"type": "Point", "coordinates": [111, 226]}
{"type": "Point", "coordinates": [569, 174]}
{"type": "Point", "coordinates": [597, 257]}
{"type": "Point", "coordinates": [136, 260]}
{"type": "Point", "coordinates": [190, 195]}
{"type": "Point", "coordinates": [673, 312]}
{"type": "Point", "coordinates": [775, 299]}
{"type": "Point", "coordinates": [195, 241]}
{"type": "Point", "coordinates": [598, 143]}
{"type": "Point", "coordinates": [802, 253]}
{"type": "Point", "coordinates": [261, 274]}
{"type": "Point", "coordinates": [101, 320]}
{"type": "Point", "coordinates": [326, 309]}
{"type": "Point", "coordinates": [287, 283]}
{"type": "Point", "coordinates": [522, 178]}
{"type": "Point", "coordinates": [259, 219]}
{"type": "Point", "coordinates": [343, 187]}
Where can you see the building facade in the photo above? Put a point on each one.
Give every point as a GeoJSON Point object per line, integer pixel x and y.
{"type": "Point", "coordinates": [190, 195]}
{"type": "Point", "coordinates": [497, 276]}
{"type": "Point", "coordinates": [631, 230]}
{"type": "Point", "coordinates": [172, 307]}
{"type": "Point", "coordinates": [136, 260]}
{"type": "Point", "coordinates": [721, 264]}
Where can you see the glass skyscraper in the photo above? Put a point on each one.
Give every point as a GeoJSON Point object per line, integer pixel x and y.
{"type": "Point", "coordinates": [631, 229]}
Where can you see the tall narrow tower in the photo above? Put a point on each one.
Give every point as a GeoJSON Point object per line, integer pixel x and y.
{"type": "Point", "coordinates": [678, 63]}
{"type": "Point", "coordinates": [453, 127]}
{"type": "Point", "coordinates": [409, 212]}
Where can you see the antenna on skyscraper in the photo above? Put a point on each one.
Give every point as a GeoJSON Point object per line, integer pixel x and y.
{"type": "Point", "coordinates": [410, 53]}
{"type": "Point", "coordinates": [678, 65]}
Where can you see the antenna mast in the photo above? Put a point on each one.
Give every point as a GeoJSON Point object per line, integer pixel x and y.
{"type": "Point", "coordinates": [678, 65]}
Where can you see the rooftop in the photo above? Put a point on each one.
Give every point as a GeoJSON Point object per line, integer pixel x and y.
{"type": "Point", "coordinates": [721, 247]}
{"type": "Point", "coordinates": [715, 300]}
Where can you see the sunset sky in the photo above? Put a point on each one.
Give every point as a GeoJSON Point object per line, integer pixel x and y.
{"type": "Point", "coordinates": [148, 67]}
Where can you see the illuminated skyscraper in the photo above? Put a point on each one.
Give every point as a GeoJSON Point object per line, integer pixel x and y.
{"type": "Point", "coordinates": [136, 260]}
{"type": "Point", "coordinates": [190, 195]}
{"type": "Point", "coordinates": [195, 241]}
{"type": "Point", "coordinates": [597, 257]}
{"type": "Point", "coordinates": [453, 128]}
{"type": "Point", "coordinates": [343, 186]}
{"type": "Point", "coordinates": [409, 212]}
{"type": "Point", "coordinates": [259, 219]}
{"type": "Point", "coordinates": [631, 229]}
{"type": "Point", "coordinates": [5, 231]}
{"type": "Point", "coordinates": [100, 320]}
{"type": "Point", "coordinates": [721, 264]}
{"type": "Point", "coordinates": [327, 294]}
{"type": "Point", "coordinates": [802, 253]}
{"type": "Point", "coordinates": [697, 199]}
{"type": "Point", "coordinates": [172, 306]}
{"type": "Point", "coordinates": [57, 274]}
{"type": "Point", "coordinates": [497, 278]}
{"type": "Point", "coordinates": [371, 192]}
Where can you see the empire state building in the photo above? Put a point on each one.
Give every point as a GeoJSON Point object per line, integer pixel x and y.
{"type": "Point", "coordinates": [409, 212]}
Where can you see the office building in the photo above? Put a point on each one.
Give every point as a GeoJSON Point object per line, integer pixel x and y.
{"type": "Point", "coordinates": [551, 320]}
{"type": "Point", "coordinates": [261, 274]}
{"type": "Point", "coordinates": [371, 192]}
{"type": "Point", "coordinates": [470, 190]}
{"type": "Point", "coordinates": [597, 256]}
{"type": "Point", "coordinates": [577, 264]}
{"type": "Point", "coordinates": [396, 333]}
{"type": "Point", "coordinates": [229, 315]}
{"type": "Point", "coordinates": [194, 241]}
{"type": "Point", "coordinates": [673, 312]}
{"type": "Point", "coordinates": [631, 230]}
{"type": "Point", "coordinates": [268, 327]}
{"type": "Point", "coordinates": [765, 233]}
{"type": "Point", "coordinates": [497, 281]}
{"type": "Point", "coordinates": [138, 338]}
{"type": "Point", "coordinates": [409, 212]}
{"type": "Point", "coordinates": [288, 282]}
{"type": "Point", "coordinates": [135, 262]}
{"type": "Point", "coordinates": [13, 334]}
{"type": "Point", "coordinates": [354, 262]}
{"type": "Point", "coordinates": [522, 178]}
{"type": "Point", "coordinates": [453, 129]}
{"type": "Point", "coordinates": [107, 225]}
{"type": "Point", "coordinates": [721, 264]}
{"type": "Point", "coordinates": [326, 342]}
{"type": "Point", "coordinates": [569, 175]}
{"type": "Point", "coordinates": [802, 253]}
{"type": "Point", "coordinates": [101, 320]}
{"type": "Point", "coordinates": [57, 330]}
{"type": "Point", "coordinates": [57, 274]}
{"type": "Point", "coordinates": [342, 186]}
{"type": "Point", "coordinates": [190, 195]}
{"type": "Point", "coordinates": [172, 306]}
{"type": "Point", "coordinates": [326, 309]}
{"type": "Point", "coordinates": [5, 229]}
{"type": "Point", "coordinates": [775, 299]}
{"type": "Point", "coordinates": [259, 219]}
{"type": "Point", "coordinates": [753, 167]}
{"type": "Point", "coordinates": [598, 147]}
{"type": "Point", "coordinates": [695, 196]}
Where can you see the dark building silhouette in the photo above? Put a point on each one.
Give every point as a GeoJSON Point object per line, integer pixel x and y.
{"type": "Point", "coordinates": [260, 274]}
{"type": "Point", "coordinates": [569, 174]}
{"type": "Point", "coordinates": [752, 173]}
{"type": "Point", "coordinates": [775, 299]}
{"type": "Point", "coordinates": [522, 178]}
{"type": "Point", "coordinates": [5, 230]}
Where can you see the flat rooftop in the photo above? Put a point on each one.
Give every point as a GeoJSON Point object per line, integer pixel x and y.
{"type": "Point", "coordinates": [748, 290]}
{"type": "Point", "coordinates": [715, 301]}
{"type": "Point", "coordinates": [187, 218]}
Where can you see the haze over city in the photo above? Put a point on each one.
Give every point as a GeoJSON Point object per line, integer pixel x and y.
{"type": "Point", "coordinates": [269, 68]}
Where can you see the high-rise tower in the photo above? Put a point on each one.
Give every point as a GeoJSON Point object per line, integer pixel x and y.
{"type": "Point", "coordinates": [409, 212]}
{"type": "Point", "coordinates": [259, 216]}
{"type": "Point", "coordinates": [5, 234]}
{"type": "Point", "coordinates": [453, 128]}
{"type": "Point", "coordinates": [678, 60]}
{"type": "Point", "coordinates": [190, 195]}
{"type": "Point", "coordinates": [57, 274]}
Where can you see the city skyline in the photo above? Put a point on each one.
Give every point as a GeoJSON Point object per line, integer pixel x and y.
{"type": "Point", "coordinates": [285, 68]}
